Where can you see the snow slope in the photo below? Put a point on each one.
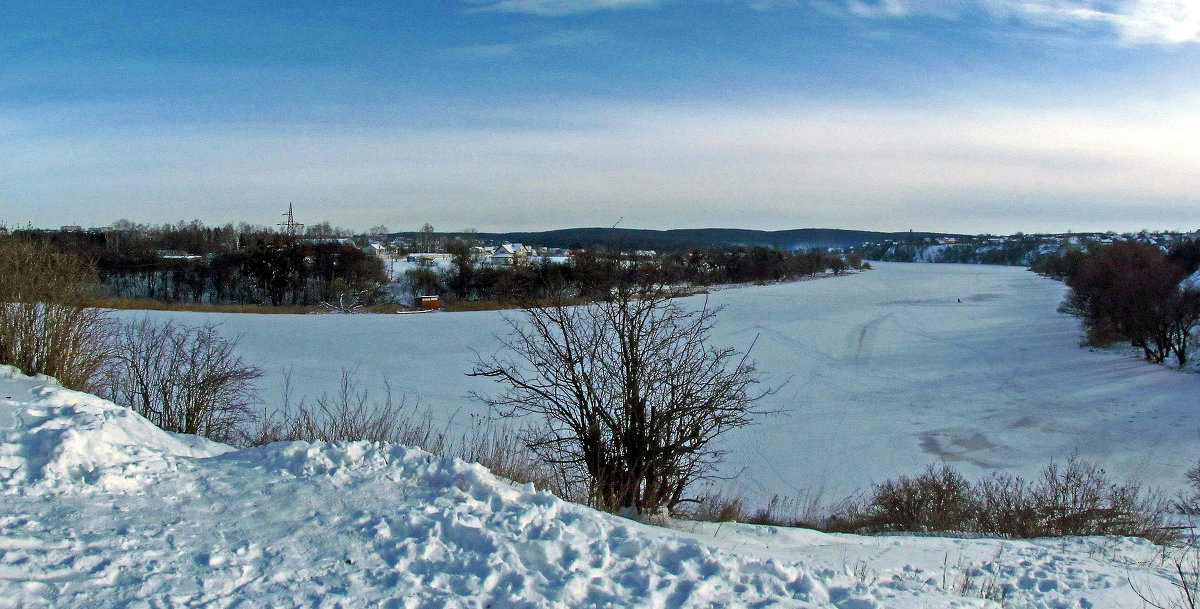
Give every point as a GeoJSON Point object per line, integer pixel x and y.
{"type": "Point", "coordinates": [100, 509]}
{"type": "Point", "coordinates": [880, 373]}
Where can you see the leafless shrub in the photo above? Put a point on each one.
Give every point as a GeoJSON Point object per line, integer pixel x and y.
{"type": "Point", "coordinates": [350, 414]}
{"type": "Point", "coordinates": [185, 379]}
{"type": "Point", "coordinates": [1078, 499]}
{"type": "Point", "coordinates": [716, 507]}
{"type": "Point", "coordinates": [1190, 504]}
{"type": "Point", "coordinates": [1007, 504]}
{"type": "Point", "coordinates": [628, 392]}
{"type": "Point", "coordinates": [47, 323]}
{"type": "Point", "coordinates": [939, 499]}
{"type": "Point", "coordinates": [1073, 499]}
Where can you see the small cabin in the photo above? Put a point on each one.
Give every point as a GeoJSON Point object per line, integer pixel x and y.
{"type": "Point", "coordinates": [428, 303]}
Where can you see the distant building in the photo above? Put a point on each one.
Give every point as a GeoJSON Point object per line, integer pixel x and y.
{"type": "Point", "coordinates": [427, 258]}
{"type": "Point", "coordinates": [509, 254]}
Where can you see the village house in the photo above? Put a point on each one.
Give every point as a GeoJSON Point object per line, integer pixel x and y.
{"type": "Point", "coordinates": [509, 254]}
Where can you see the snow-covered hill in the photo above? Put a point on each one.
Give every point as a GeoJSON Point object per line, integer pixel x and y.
{"type": "Point", "coordinates": [100, 509]}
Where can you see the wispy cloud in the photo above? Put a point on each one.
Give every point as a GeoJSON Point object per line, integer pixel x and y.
{"type": "Point", "coordinates": [535, 44]}
{"type": "Point", "coordinates": [558, 8]}
{"type": "Point", "coordinates": [1163, 22]}
{"type": "Point", "coordinates": [995, 169]}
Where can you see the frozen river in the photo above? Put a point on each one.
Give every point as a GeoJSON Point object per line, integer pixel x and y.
{"type": "Point", "coordinates": [880, 373]}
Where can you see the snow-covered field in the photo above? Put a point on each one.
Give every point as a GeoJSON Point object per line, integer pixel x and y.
{"type": "Point", "coordinates": [881, 373]}
{"type": "Point", "coordinates": [100, 509]}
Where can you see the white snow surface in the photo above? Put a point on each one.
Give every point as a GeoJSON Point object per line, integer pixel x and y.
{"type": "Point", "coordinates": [100, 509]}
{"type": "Point", "coordinates": [878, 373]}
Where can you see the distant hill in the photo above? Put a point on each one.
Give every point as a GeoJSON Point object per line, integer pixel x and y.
{"type": "Point", "coordinates": [679, 239]}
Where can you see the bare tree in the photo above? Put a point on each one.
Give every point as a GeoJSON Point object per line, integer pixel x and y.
{"type": "Point", "coordinates": [629, 392]}
{"type": "Point", "coordinates": [426, 234]}
{"type": "Point", "coordinates": [184, 379]}
{"type": "Point", "coordinates": [378, 233]}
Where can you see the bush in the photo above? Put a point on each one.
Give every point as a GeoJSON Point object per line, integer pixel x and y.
{"type": "Point", "coordinates": [719, 507]}
{"type": "Point", "coordinates": [628, 394]}
{"type": "Point", "coordinates": [47, 325]}
{"type": "Point", "coordinates": [1074, 499]}
{"type": "Point", "coordinates": [182, 378]}
{"type": "Point", "coordinates": [938, 500]}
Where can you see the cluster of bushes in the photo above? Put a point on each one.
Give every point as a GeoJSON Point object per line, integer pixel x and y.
{"type": "Point", "coordinates": [47, 324]}
{"type": "Point", "coordinates": [1075, 498]}
{"type": "Point", "coordinates": [184, 379]}
{"type": "Point", "coordinates": [1132, 292]}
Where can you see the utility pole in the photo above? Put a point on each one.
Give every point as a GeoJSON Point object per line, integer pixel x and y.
{"type": "Point", "coordinates": [291, 227]}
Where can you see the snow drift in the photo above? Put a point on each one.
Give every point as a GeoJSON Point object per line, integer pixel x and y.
{"type": "Point", "coordinates": [102, 509]}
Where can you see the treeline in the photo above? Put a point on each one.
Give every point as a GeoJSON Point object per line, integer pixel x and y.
{"type": "Point", "coordinates": [1013, 250]}
{"type": "Point", "coordinates": [193, 263]}
{"type": "Point", "coordinates": [1133, 292]}
{"type": "Point", "coordinates": [592, 274]}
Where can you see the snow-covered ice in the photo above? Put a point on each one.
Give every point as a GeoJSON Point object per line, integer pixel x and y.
{"type": "Point", "coordinates": [880, 374]}
{"type": "Point", "coordinates": [100, 509]}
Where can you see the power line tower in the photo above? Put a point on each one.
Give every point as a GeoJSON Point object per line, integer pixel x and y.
{"type": "Point", "coordinates": [290, 226]}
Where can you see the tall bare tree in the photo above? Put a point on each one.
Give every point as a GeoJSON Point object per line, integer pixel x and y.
{"type": "Point", "coordinates": [426, 234]}
{"type": "Point", "coordinates": [629, 394]}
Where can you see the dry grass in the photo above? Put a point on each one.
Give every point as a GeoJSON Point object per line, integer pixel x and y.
{"type": "Point", "coordinates": [352, 414]}
{"type": "Point", "coordinates": [1074, 498]}
{"type": "Point", "coordinates": [390, 307]}
{"type": "Point", "coordinates": [457, 306]}
{"type": "Point", "coordinates": [149, 304]}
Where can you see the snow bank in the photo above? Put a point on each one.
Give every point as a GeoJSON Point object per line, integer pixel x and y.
{"type": "Point", "coordinates": [456, 533]}
{"type": "Point", "coordinates": [52, 437]}
{"type": "Point", "coordinates": [101, 509]}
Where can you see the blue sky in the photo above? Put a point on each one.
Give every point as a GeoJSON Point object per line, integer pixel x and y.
{"type": "Point", "coordinates": [967, 115]}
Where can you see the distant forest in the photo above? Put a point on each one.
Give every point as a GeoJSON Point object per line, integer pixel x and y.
{"type": "Point", "coordinates": [194, 263]}
{"type": "Point", "coordinates": [683, 240]}
{"type": "Point", "coordinates": [189, 262]}
{"type": "Point", "coordinates": [593, 274]}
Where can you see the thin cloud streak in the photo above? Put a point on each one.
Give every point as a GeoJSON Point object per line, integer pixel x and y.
{"type": "Point", "coordinates": [1162, 22]}
{"type": "Point", "coordinates": [872, 168]}
{"type": "Point", "coordinates": [558, 8]}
